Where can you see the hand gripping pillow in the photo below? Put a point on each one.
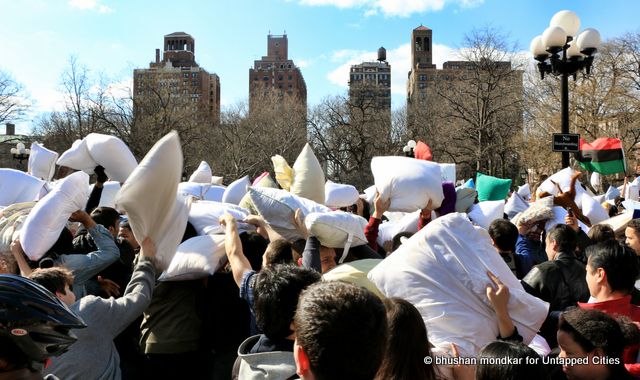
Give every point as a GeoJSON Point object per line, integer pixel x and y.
{"type": "Point", "coordinates": [308, 177]}
{"type": "Point", "coordinates": [387, 230]}
{"type": "Point", "coordinates": [492, 188]}
{"type": "Point", "coordinates": [515, 205]}
{"type": "Point", "coordinates": [263, 181]}
{"type": "Point", "coordinates": [410, 183]}
{"type": "Point", "coordinates": [337, 229]}
{"type": "Point", "coordinates": [49, 216]}
{"type": "Point", "coordinates": [201, 191]}
{"type": "Point", "coordinates": [592, 209]}
{"type": "Point", "coordinates": [198, 257]}
{"type": "Point", "coordinates": [149, 198]}
{"type": "Point", "coordinates": [355, 272]}
{"type": "Point", "coordinates": [205, 216]}
{"type": "Point", "coordinates": [78, 157]}
{"type": "Point", "coordinates": [202, 174]}
{"type": "Point", "coordinates": [113, 154]}
{"type": "Point", "coordinates": [442, 271]}
{"type": "Point", "coordinates": [484, 213]}
{"type": "Point", "coordinates": [278, 207]}
{"type": "Point", "coordinates": [17, 186]}
{"type": "Point", "coordinates": [109, 193]}
{"type": "Point", "coordinates": [236, 190]}
{"type": "Point", "coordinates": [338, 195]}
{"type": "Point", "coordinates": [42, 162]}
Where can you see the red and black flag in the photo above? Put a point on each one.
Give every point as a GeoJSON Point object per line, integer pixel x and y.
{"type": "Point", "coordinates": [605, 156]}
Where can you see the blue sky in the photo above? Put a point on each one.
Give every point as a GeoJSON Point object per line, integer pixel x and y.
{"type": "Point", "coordinates": [112, 37]}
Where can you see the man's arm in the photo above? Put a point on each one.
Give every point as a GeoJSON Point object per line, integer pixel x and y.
{"type": "Point", "coordinates": [238, 261]}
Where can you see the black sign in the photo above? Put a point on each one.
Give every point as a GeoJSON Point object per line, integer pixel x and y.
{"type": "Point", "coordinates": [566, 142]}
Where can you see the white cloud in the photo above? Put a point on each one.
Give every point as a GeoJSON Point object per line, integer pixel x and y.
{"type": "Point", "coordinates": [401, 8]}
{"type": "Point", "coordinates": [90, 5]}
{"type": "Point", "coordinates": [105, 9]}
{"type": "Point", "coordinates": [399, 59]}
{"type": "Point", "coordinates": [302, 63]}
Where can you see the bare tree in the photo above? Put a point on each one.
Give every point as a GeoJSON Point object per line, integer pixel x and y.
{"type": "Point", "coordinates": [13, 103]}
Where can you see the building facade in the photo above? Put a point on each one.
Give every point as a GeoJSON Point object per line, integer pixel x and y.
{"type": "Point", "coordinates": [370, 84]}
{"type": "Point", "coordinates": [276, 74]}
{"type": "Point", "coordinates": [178, 77]}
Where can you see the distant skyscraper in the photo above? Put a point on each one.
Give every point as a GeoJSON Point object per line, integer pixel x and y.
{"type": "Point", "coordinates": [276, 73]}
{"type": "Point", "coordinates": [370, 84]}
{"type": "Point", "coordinates": [179, 76]}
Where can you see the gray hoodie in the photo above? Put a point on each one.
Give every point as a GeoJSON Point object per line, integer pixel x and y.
{"type": "Point", "coordinates": [278, 365]}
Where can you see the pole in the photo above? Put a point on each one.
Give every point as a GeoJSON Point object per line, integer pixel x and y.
{"type": "Point", "coordinates": [565, 104]}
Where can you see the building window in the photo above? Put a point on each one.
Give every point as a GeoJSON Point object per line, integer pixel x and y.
{"type": "Point", "coordinates": [422, 77]}
{"type": "Point", "coordinates": [422, 85]}
{"type": "Point", "coordinates": [255, 78]}
{"type": "Point", "coordinates": [265, 78]}
{"type": "Point", "coordinates": [280, 77]}
{"type": "Point", "coordinates": [194, 75]}
{"type": "Point", "coordinates": [290, 77]}
{"type": "Point", "coordinates": [185, 75]}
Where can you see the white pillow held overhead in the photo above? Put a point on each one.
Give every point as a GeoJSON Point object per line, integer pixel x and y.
{"type": "Point", "coordinates": [484, 213]}
{"type": "Point", "coordinates": [42, 162]}
{"type": "Point", "coordinates": [205, 216]}
{"type": "Point", "coordinates": [78, 157]}
{"type": "Point", "coordinates": [113, 154]}
{"type": "Point", "coordinates": [308, 177]}
{"type": "Point", "coordinates": [202, 174]}
{"type": "Point", "coordinates": [236, 190]}
{"type": "Point", "coordinates": [198, 257]}
{"type": "Point", "coordinates": [17, 186]}
{"type": "Point", "coordinates": [337, 229]}
{"type": "Point", "coordinates": [339, 195]}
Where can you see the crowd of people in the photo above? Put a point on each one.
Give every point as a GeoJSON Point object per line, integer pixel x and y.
{"type": "Point", "coordinates": [92, 307]}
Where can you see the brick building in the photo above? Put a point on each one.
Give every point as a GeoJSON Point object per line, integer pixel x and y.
{"type": "Point", "coordinates": [370, 83]}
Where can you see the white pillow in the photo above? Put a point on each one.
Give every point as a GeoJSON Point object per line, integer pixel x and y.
{"type": "Point", "coordinates": [198, 257]}
{"type": "Point", "coordinates": [599, 198]}
{"type": "Point", "coordinates": [17, 186]}
{"type": "Point", "coordinates": [611, 193]}
{"type": "Point", "coordinates": [370, 194]}
{"type": "Point", "coordinates": [205, 216]}
{"type": "Point", "coordinates": [78, 157]}
{"type": "Point", "coordinates": [524, 191]}
{"type": "Point", "coordinates": [562, 178]}
{"type": "Point", "coordinates": [515, 205]}
{"type": "Point", "coordinates": [216, 180]}
{"type": "Point", "coordinates": [442, 271]}
{"type": "Point", "coordinates": [596, 180]}
{"type": "Point", "coordinates": [42, 162]}
{"type": "Point", "coordinates": [388, 230]}
{"type": "Point", "coordinates": [149, 198]}
{"type": "Point", "coordinates": [308, 177]}
{"type": "Point", "coordinates": [484, 213]}
{"type": "Point", "coordinates": [592, 209]}
{"type": "Point", "coordinates": [448, 172]}
{"type": "Point", "coordinates": [632, 192]}
{"type": "Point", "coordinates": [202, 174]}
{"type": "Point", "coordinates": [278, 207]}
{"type": "Point", "coordinates": [49, 216]}
{"type": "Point", "coordinates": [339, 195]}
{"type": "Point", "coordinates": [201, 191]}
{"type": "Point", "coordinates": [113, 154]}
{"type": "Point", "coordinates": [236, 190]}
{"type": "Point", "coordinates": [336, 229]}
{"type": "Point", "coordinates": [355, 272]}
{"type": "Point", "coordinates": [12, 219]}
{"type": "Point", "coordinates": [410, 183]}
{"type": "Point", "coordinates": [559, 213]}
{"type": "Point", "coordinates": [110, 191]}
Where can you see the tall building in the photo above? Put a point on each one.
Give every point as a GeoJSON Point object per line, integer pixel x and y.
{"type": "Point", "coordinates": [276, 73]}
{"type": "Point", "coordinates": [177, 75]}
{"type": "Point", "coordinates": [370, 84]}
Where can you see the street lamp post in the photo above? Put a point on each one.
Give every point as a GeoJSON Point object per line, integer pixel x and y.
{"type": "Point", "coordinates": [577, 55]}
{"type": "Point", "coordinates": [408, 149]}
{"type": "Point", "coordinates": [20, 153]}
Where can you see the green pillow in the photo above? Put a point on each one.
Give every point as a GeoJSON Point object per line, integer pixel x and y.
{"type": "Point", "coordinates": [492, 188]}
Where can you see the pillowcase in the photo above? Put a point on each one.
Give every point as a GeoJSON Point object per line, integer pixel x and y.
{"type": "Point", "coordinates": [410, 183]}
{"type": "Point", "coordinates": [110, 191]}
{"type": "Point", "coordinates": [201, 191]}
{"type": "Point", "coordinates": [205, 216]}
{"type": "Point", "coordinates": [17, 186]}
{"type": "Point", "coordinates": [355, 272]}
{"type": "Point", "coordinates": [308, 177]}
{"type": "Point", "coordinates": [448, 172]}
{"type": "Point", "coordinates": [264, 180]}
{"type": "Point", "coordinates": [388, 230]}
{"type": "Point", "coordinates": [78, 157]}
{"type": "Point", "coordinates": [113, 154]}
{"type": "Point", "coordinates": [465, 198]}
{"type": "Point", "coordinates": [202, 174]}
{"type": "Point", "coordinates": [524, 191]}
{"type": "Point", "coordinates": [236, 190]}
{"type": "Point", "coordinates": [562, 178]}
{"type": "Point", "coordinates": [515, 205]}
{"type": "Point", "coordinates": [42, 162]}
{"type": "Point", "coordinates": [196, 258]}
{"type": "Point", "coordinates": [50, 215]}
{"type": "Point", "coordinates": [484, 213]}
{"type": "Point", "coordinates": [492, 188]}
{"type": "Point", "coordinates": [149, 198]}
{"type": "Point", "coordinates": [336, 229]}
{"type": "Point", "coordinates": [592, 209]}
{"type": "Point", "coordinates": [339, 195]}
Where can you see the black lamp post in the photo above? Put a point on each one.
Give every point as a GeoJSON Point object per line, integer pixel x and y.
{"type": "Point", "coordinates": [561, 52]}
{"type": "Point", "coordinates": [20, 153]}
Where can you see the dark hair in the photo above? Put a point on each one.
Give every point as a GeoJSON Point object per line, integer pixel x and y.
{"type": "Point", "coordinates": [529, 365]}
{"type": "Point", "coordinates": [593, 329]}
{"type": "Point", "coordinates": [635, 225]}
{"type": "Point", "coordinates": [600, 233]}
{"type": "Point", "coordinates": [619, 263]}
{"type": "Point", "coordinates": [279, 252]}
{"type": "Point", "coordinates": [253, 247]}
{"type": "Point", "coordinates": [407, 345]}
{"type": "Point", "coordinates": [342, 328]}
{"type": "Point", "coordinates": [276, 294]}
{"type": "Point", "coordinates": [397, 240]}
{"type": "Point", "coordinates": [106, 216]}
{"type": "Point", "coordinates": [504, 235]}
{"type": "Point", "coordinates": [53, 279]}
{"type": "Point", "coordinates": [564, 236]}
{"type": "Point", "coordinates": [189, 232]}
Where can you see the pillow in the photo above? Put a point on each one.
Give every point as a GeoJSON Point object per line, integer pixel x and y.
{"type": "Point", "coordinates": [149, 198]}
{"type": "Point", "coordinates": [620, 221]}
{"type": "Point", "coordinates": [442, 271]}
{"type": "Point", "coordinates": [632, 192]}
{"type": "Point", "coordinates": [113, 154]}
{"type": "Point", "coordinates": [525, 191]}
{"type": "Point", "coordinates": [410, 183]}
{"type": "Point", "coordinates": [448, 172]}
{"type": "Point", "coordinates": [596, 180]}
{"type": "Point", "coordinates": [42, 162]}
{"type": "Point", "coordinates": [492, 188]}
{"type": "Point", "coordinates": [278, 207]}
{"type": "Point", "coordinates": [12, 219]}
{"type": "Point", "coordinates": [611, 194]}
{"type": "Point", "coordinates": [562, 178]}
{"type": "Point", "coordinates": [538, 211]}
{"type": "Point", "coordinates": [559, 213]}
{"type": "Point", "coordinates": [283, 172]}
{"type": "Point", "coordinates": [262, 181]}
{"type": "Point", "coordinates": [388, 230]}
{"type": "Point", "coordinates": [17, 186]}
{"type": "Point", "coordinates": [216, 180]}
{"type": "Point", "coordinates": [592, 209]}
{"type": "Point", "coordinates": [469, 184]}
{"type": "Point", "coordinates": [205, 216]}
{"type": "Point", "coordinates": [355, 272]}
{"type": "Point", "coordinates": [370, 194]}
{"type": "Point", "coordinates": [49, 216]}
{"type": "Point", "coordinates": [337, 229]}
{"type": "Point", "coordinates": [308, 177]}
{"type": "Point", "coordinates": [484, 213]}
{"type": "Point", "coordinates": [515, 205]}
{"type": "Point", "coordinates": [465, 198]}
{"type": "Point", "coordinates": [196, 258]}
{"type": "Point", "coordinates": [109, 193]}
{"type": "Point", "coordinates": [236, 190]}
{"type": "Point", "coordinates": [202, 174]}
{"type": "Point", "coordinates": [338, 195]}
{"type": "Point", "coordinates": [78, 157]}
{"type": "Point", "coordinates": [201, 191]}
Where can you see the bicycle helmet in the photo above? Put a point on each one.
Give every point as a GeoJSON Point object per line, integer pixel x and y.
{"type": "Point", "coordinates": [35, 320]}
